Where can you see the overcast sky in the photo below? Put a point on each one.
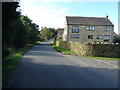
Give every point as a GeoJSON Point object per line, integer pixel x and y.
{"type": "Point", "coordinates": [51, 13]}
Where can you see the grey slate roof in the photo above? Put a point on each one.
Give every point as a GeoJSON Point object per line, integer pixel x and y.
{"type": "Point", "coordinates": [96, 21]}
{"type": "Point", "coordinates": [61, 29]}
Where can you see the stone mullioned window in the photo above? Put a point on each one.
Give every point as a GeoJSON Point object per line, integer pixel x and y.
{"type": "Point", "coordinates": [106, 28]}
{"type": "Point", "coordinates": [90, 28]}
{"type": "Point", "coordinates": [75, 29]}
{"type": "Point", "coordinates": [74, 36]}
{"type": "Point", "coordinates": [90, 36]}
{"type": "Point", "coordinates": [99, 37]}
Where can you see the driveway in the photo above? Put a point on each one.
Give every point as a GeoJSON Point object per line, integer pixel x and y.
{"type": "Point", "coordinates": [43, 67]}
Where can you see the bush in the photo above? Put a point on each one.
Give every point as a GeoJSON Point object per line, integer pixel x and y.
{"type": "Point", "coordinates": [6, 51]}
{"type": "Point", "coordinates": [116, 40]}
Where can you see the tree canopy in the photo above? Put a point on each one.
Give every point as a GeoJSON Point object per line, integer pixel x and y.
{"type": "Point", "coordinates": [18, 30]}
{"type": "Point", "coordinates": [45, 33]}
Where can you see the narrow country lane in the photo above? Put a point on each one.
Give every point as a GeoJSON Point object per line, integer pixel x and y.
{"type": "Point", "coordinates": [43, 67]}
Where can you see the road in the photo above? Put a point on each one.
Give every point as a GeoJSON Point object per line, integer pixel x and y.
{"type": "Point", "coordinates": [43, 67]}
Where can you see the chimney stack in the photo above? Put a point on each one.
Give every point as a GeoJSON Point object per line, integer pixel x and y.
{"type": "Point", "coordinates": [107, 16]}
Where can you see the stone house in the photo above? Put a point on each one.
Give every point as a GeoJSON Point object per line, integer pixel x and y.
{"type": "Point", "coordinates": [88, 29]}
{"type": "Point", "coordinates": [60, 33]}
{"type": "Point", "coordinates": [118, 35]}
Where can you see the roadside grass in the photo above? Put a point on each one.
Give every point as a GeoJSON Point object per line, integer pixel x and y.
{"type": "Point", "coordinates": [68, 52]}
{"type": "Point", "coordinates": [62, 50]}
{"type": "Point", "coordinates": [10, 62]}
{"type": "Point", "coordinates": [105, 58]}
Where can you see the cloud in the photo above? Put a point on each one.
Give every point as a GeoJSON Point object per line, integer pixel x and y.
{"type": "Point", "coordinates": [44, 14]}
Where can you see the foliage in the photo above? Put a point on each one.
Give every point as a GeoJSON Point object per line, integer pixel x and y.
{"type": "Point", "coordinates": [17, 30]}
{"type": "Point", "coordinates": [9, 15]}
{"type": "Point", "coordinates": [31, 29]}
{"type": "Point", "coordinates": [62, 50]}
{"type": "Point", "coordinates": [116, 40]}
{"type": "Point", "coordinates": [54, 31]}
{"type": "Point", "coordinates": [105, 58]}
{"type": "Point", "coordinates": [20, 39]}
{"type": "Point", "coordinates": [19, 34]}
{"type": "Point", "coordinates": [45, 34]}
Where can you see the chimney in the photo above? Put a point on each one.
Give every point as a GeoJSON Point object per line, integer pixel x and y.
{"type": "Point", "coordinates": [107, 16]}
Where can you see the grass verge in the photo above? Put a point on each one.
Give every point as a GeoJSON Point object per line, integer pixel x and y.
{"type": "Point", "coordinates": [105, 58]}
{"type": "Point", "coordinates": [10, 62]}
{"type": "Point", "coordinates": [62, 50]}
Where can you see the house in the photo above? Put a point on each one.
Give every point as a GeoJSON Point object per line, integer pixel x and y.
{"type": "Point", "coordinates": [88, 29]}
{"type": "Point", "coordinates": [60, 33]}
{"type": "Point", "coordinates": [118, 35]}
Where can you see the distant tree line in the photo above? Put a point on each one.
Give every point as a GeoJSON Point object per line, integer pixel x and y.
{"type": "Point", "coordinates": [18, 30]}
{"type": "Point", "coordinates": [47, 33]}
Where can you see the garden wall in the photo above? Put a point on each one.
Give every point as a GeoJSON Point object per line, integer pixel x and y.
{"type": "Point", "coordinates": [104, 50]}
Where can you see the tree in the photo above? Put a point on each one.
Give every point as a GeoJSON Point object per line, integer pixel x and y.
{"type": "Point", "coordinates": [9, 16]}
{"type": "Point", "coordinates": [31, 29]}
{"type": "Point", "coordinates": [116, 40]}
{"type": "Point", "coordinates": [20, 39]}
{"type": "Point", "coordinates": [17, 30]}
{"type": "Point", "coordinates": [54, 31]}
{"type": "Point", "coordinates": [45, 33]}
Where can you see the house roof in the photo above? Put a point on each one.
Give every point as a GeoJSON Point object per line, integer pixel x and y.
{"type": "Point", "coordinates": [97, 21]}
{"type": "Point", "coordinates": [60, 28]}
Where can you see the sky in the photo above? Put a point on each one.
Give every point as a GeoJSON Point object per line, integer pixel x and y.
{"type": "Point", "coordinates": [51, 13]}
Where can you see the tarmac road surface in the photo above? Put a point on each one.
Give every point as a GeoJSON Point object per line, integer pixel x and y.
{"type": "Point", "coordinates": [43, 67]}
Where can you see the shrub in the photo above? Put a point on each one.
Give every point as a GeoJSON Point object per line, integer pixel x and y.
{"type": "Point", "coordinates": [116, 40]}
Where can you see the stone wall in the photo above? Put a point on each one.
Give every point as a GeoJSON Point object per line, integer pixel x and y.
{"type": "Point", "coordinates": [104, 50]}
{"type": "Point", "coordinates": [63, 44]}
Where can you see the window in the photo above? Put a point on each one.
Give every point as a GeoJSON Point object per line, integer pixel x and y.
{"type": "Point", "coordinates": [87, 28]}
{"type": "Point", "coordinates": [91, 28]}
{"type": "Point", "coordinates": [106, 37]}
{"type": "Point", "coordinates": [99, 37]}
{"type": "Point", "coordinates": [74, 36]}
{"type": "Point", "coordinates": [90, 36]}
{"type": "Point", "coordinates": [75, 29]}
{"type": "Point", "coordinates": [106, 29]}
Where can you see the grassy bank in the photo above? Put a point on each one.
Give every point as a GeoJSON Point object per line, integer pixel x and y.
{"type": "Point", "coordinates": [105, 58]}
{"type": "Point", "coordinates": [10, 62]}
{"type": "Point", "coordinates": [62, 50]}
{"type": "Point", "coordinates": [68, 52]}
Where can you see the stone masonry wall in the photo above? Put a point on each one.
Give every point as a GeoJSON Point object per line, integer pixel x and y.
{"type": "Point", "coordinates": [104, 50]}
{"type": "Point", "coordinates": [83, 34]}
